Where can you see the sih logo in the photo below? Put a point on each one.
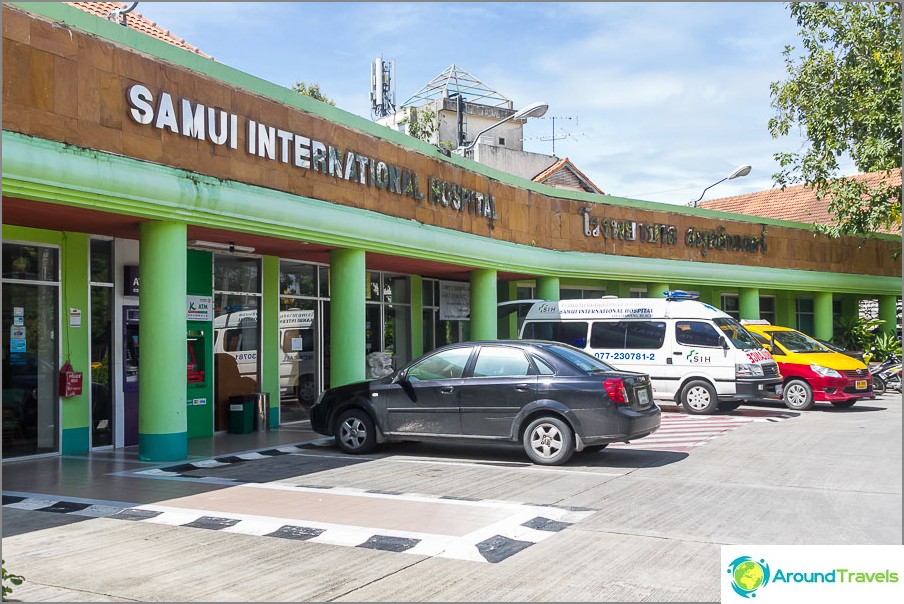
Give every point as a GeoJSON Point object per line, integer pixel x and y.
{"type": "Point", "coordinates": [748, 575]}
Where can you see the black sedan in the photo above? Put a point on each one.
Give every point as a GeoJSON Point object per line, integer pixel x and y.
{"type": "Point", "coordinates": [553, 398]}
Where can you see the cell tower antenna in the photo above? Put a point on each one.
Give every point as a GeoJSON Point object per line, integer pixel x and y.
{"type": "Point", "coordinates": [382, 88]}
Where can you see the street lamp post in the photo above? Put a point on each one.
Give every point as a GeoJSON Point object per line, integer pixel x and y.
{"type": "Point", "coordinates": [738, 172]}
{"type": "Point", "coordinates": [532, 110]}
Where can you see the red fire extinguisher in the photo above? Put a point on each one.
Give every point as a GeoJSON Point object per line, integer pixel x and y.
{"type": "Point", "coordinates": [70, 380]}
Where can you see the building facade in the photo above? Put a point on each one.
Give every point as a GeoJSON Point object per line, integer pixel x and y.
{"type": "Point", "coordinates": [259, 241]}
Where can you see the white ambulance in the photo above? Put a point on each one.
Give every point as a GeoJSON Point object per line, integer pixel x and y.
{"type": "Point", "coordinates": [236, 333]}
{"type": "Point", "coordinates": [696, 355]}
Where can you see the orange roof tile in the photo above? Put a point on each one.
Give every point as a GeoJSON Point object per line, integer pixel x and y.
{"type": "Point", "coordinates": [796, 203]}
{"type": "Point", "coordinates": [137, 22]}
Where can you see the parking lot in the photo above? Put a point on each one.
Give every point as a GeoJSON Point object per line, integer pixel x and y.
{"type": "Point", "coordinates": [417, 522]}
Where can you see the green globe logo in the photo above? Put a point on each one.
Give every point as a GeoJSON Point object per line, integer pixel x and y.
{"type": "Point", "coordinates": [748, 575]}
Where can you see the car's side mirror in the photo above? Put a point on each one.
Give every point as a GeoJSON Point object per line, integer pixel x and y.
{"type": "Point", "coordinates": [724, 342]}
{"type": "Point", "coordinates": [401, 377]}
{"type": "Point", "coordinates": [768, 347]}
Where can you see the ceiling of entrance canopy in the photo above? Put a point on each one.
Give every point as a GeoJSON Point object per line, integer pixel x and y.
{"type": "Point", "coordinates": [57, 217]}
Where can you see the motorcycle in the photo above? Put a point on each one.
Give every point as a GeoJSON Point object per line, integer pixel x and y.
{"type": "Point", "coordinates": [887, 375]}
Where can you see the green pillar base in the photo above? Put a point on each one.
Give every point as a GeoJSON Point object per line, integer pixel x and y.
{"type": "Point", "coordinates": [163, 447]}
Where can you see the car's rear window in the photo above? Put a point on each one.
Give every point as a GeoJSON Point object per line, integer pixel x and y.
{"type": "Point", "coordinates": [579, 359]}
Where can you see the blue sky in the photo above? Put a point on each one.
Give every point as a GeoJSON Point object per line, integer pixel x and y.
{"type": "Point", "coordinates": [665, 98]}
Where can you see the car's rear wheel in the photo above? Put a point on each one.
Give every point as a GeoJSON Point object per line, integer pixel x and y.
{"type": "Point", "coordinates": [699, 398]}
{"type": "Point", "coordinates": [355, 432]}
{"type": "Point", "coordinates": [549, 441]}
{"type": "Point", "coordinates": [878, 385]}
{"type": "Point", "coordinates": [845, 404]}
{"type": "Point", "coordinates": [798, 395]}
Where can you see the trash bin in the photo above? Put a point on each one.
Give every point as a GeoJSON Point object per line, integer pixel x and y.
{"type": "Point", "coordinates": [261, 411]}
{"type": "Point", "coordinates": [241, 414]}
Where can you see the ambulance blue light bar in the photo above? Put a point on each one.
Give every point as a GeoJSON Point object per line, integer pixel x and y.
{"type": "Point", "coordinates": [677, 294]}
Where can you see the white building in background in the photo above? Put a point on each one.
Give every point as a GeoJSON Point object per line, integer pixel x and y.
{"type": "Point", "coordinates": [464, 107]}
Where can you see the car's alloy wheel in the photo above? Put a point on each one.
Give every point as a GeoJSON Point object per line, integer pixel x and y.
{"type": "Point", "coordinates": [798, 395]}
{"type": "Point", "coordinates": [355, 432]}
{"type": "Point", "coordinates": [699, 398]}
{"type": "Point", "coordinates": [549, 441]}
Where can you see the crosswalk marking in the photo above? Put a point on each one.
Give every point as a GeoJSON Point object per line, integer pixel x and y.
{"type": "Point", "coordinates": [681, 433]}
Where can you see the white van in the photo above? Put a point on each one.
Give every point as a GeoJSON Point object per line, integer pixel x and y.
{"type": "Point", "coordinates": [696, 355]}
{"type": "Point", "coordinates": [236, 333]}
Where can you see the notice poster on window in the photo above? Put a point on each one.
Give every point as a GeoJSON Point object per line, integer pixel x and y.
{"type": "Point", "coordinates": [454, 301]}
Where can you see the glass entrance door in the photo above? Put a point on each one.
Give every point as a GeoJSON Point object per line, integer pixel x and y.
{"type": "Point", "coordinates": [30, 324]}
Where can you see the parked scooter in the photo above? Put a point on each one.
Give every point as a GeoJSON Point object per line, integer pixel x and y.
{"type": "Point", "coordinates": [887, 375]}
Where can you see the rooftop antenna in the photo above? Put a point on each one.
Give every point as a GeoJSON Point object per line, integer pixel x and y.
{"type": "Point", "coordinates": [555, 138]}
{"type": "Point", "coordinates": [382, 88]}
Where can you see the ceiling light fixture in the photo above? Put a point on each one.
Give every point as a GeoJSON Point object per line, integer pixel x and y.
{"type": "Point", "coordinates": [230, 247]}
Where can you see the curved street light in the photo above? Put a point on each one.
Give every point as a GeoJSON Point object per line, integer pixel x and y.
{"type": "Point", "coordinates": [532, 110]}
{"type": "Point", "coordinates": [738, 172]}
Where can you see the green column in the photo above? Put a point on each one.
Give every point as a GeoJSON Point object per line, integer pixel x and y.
{"type": "Point", "coordinates": [483, 304]}
{"type": "Point", "coordinates": [548, 288]}
{"type": "Point", "coordinates": [749, 303]}
{"type": "Point", "coordinates": [654, 290]}
{"type": "Point", "coordinates": [785, 309]}
{"type": "Point", "coordinates": [162, 425]}
{"type": "Point", "coordinates": [417, 316]}
{"type": "Point", "coordinates": [347, 335]}
{"type": "Point", "coordinates": [76, 346]}
{"type": "Point", "coordinates": [270, 335]}
{"type": "Point", "coordinates": [888, 312]}
{"type": "Point", "coordinates": [822, 315]}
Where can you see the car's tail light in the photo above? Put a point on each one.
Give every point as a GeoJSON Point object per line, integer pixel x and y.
{"type": "Point", "coordinates": [615, 388]}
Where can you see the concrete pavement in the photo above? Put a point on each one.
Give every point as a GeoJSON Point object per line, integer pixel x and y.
{"type": "Point", "coordinates": [645, 524]}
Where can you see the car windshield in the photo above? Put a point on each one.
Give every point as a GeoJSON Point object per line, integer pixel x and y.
{"type": "Point", "coordinates": [736, 332]}
{"type": "Point", "coordinates": [794, 341]}
{"type": "Point", "coordinates": [579, 359]}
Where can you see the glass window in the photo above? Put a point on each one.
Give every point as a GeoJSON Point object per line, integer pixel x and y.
{"type": "Point", "coordinates": [500, 361]}
{"type": "Point", "coordinates": [101, 357]}
{"type": "Point", "coordinates": [568, 293]}
{"type": "Point", "coordinates": [628, 334]}
{"type": "Point", "coordinates": [236, 273]}
{"type": "Point", "coordinates": [571, 332]}
{"type": "Point", "coordinates": [767, 308]}
{"type": "Point", "coordinates": [102, 261]}
{"type": "Point", "coordinates": [324, 281]}
{"type": "Point", "coordinates": [442, 365]}
{"type": "Point", "coordinates": [697, 333]}
{"type": "Point", "coordinates": [30, 262]}
{"type": "Point", "coordinates": [794, 341]}
{"type": "Point", "coordinates": [543, 367]}
{"type": "Point", "coordinates": [736, 332]}
{"type": "Point", "coordinates": [731, 305]}
{"type": "Point", "coordinates": [805, 317]}
{"type": "Point", "coordinates": [608, 334]}
{"type": "Point", "coordinates": [397, 289]}
{"type": "Point", "coordinates": [580, 359]}
{"type": "Point", "coordinates": [297, 278]}
{"type": "Point", "coordinates": [645, 334]}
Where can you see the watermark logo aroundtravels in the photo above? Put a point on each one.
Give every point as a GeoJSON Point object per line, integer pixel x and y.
{"type": "Point", "coordinates": [748, 575]}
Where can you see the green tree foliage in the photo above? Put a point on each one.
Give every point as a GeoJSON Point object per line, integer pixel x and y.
{"type": "Point", "coordinates": [844, 91]}
{"type": "Point", "coordinates": [312, 90]}
{"type": "Point", "coordinates": [9, 580]}
{"type": "Point", "coordinates": [422, 123]}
